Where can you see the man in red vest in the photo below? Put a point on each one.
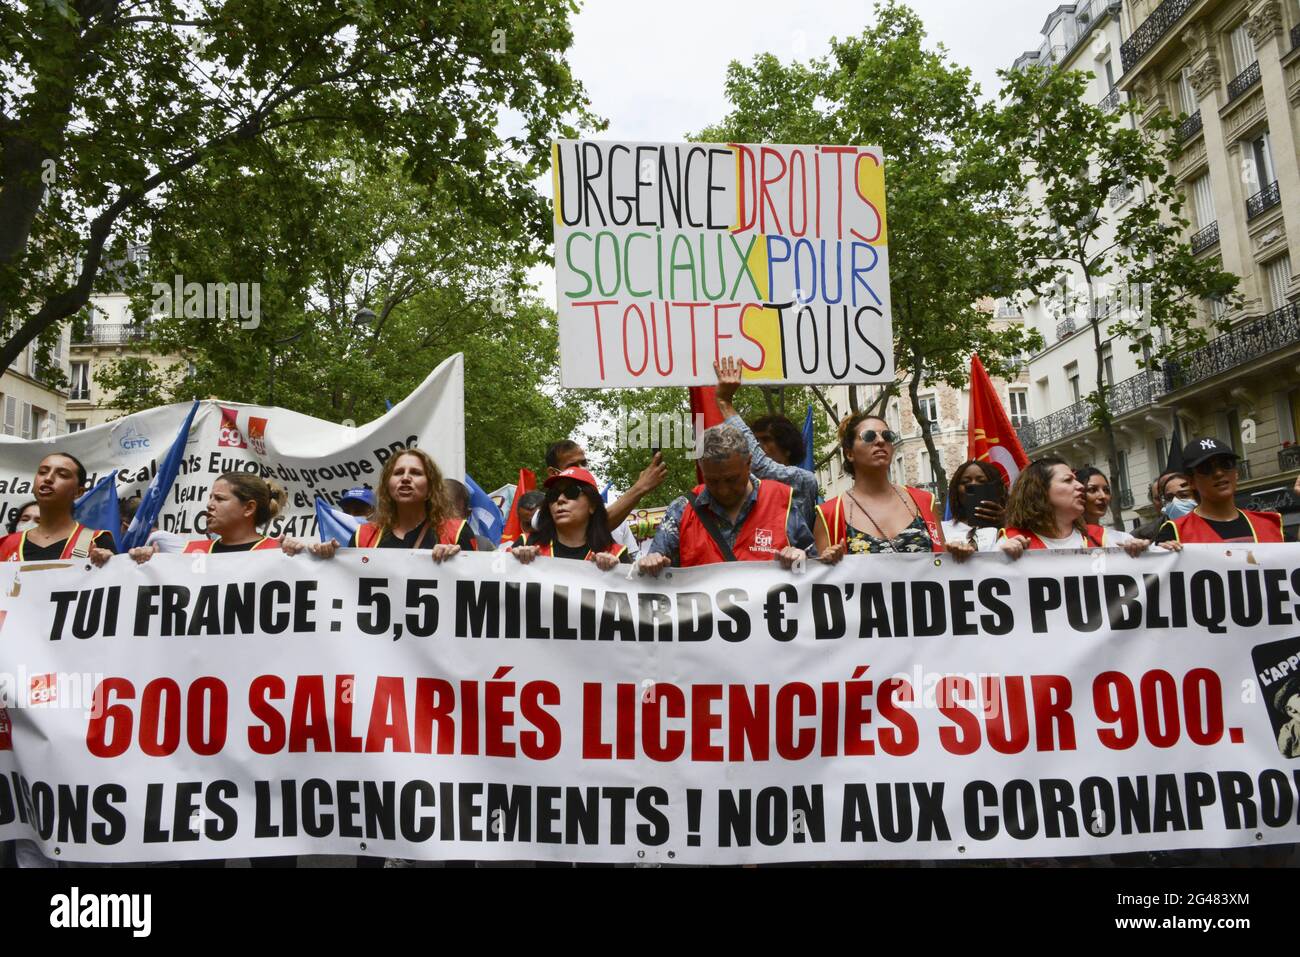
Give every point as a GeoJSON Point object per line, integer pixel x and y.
{"type": "Point", "coordinates": [733, 516]}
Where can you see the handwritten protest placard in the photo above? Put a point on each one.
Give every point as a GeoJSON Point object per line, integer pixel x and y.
{"type": "Point", "coordinates": [670, 255]}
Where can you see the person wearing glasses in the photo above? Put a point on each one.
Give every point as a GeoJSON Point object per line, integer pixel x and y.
{"type": "Point", "coordinates": [875, 516]}
{"type": "Point", "coordinates": [1172, 496]}
{"type": "Point", "coordinates": [1212, 468]}
{"type": "Point", "coordinates": [572, 524]}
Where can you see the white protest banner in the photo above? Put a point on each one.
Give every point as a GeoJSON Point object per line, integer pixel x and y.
{"type": "Point", "coordinates": [889, 707]}
{"type": "Point", "coordinates": [671, 255]}
{"type": "Point", "coordinates": [306, 455]}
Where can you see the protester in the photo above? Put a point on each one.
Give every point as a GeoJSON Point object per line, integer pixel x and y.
{"type": "Point", "coordinates": [976, 521]}
{"type": "Point", "coordinates": [574, 524]}
{"type": "Point", "coordinates": [411, 511]}
{"type": "Point", "coordinates": [60, 479]}
{"type": "Point", "coordinates": [458, 500]}
{"type": "Point", "coordinates": [566, 454]}
{"type": "Point", "coordinates": [239, 504]}
{"type": "Point", "coordinates": [529, 503]}
{"type": "Point", "coordinates": [874, 516]}
{"type": "Point", "coordinates": [29, 515]}
{"type": "Point", "coordinates": [733, 516]}
{"type": "Point", "coordinates": [358, 502]}
{"type": "Point", "coordinates": [1045, 510]}
{"type": "Point", "coordinates": [1212, 469]}
{"type": "Point", "coordinates": [1096, 494]}
{"type": "Point", "coordinates": [772, 458]}
{"type": "Point", "coordinates": [1171, 494]}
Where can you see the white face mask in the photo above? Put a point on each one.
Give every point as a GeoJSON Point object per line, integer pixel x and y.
{"type": "Point", "coordinates": [25, 526]}
{"type": "Point", "coordinates": [1178, 508]}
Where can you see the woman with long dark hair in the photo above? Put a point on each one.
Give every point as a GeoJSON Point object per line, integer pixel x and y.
{"type": "Point", "coordinates": [60, 479]}
{"type": "Point", "coordinates": [1096, 494]}
{"type": "Point", "coordinates": [976, 521]}
{"type": "Point", "coordinates": [572, 524]}
{"type": "Point", "coordinates": [1045, 511]}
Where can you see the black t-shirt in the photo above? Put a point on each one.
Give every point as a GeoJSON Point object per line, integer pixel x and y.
{"type": "Point", "coordinates": [579, 552]}
{"type": "Point", "coordinates": [34, 552]}
{"type": "Point", "coordinates": [222, 547]}
{"type": "Point", "coordinates": [390, 539]}
{"type": "Point", "coordinates": [1237, 530]}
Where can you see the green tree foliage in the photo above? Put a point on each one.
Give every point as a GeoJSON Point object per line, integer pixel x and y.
{"type": "Point", "coordinates": [952, 187]}
{"type": "Point", "coordinates": [1136, 279]}
{"type": "Point", "coordinates": [114, 113]}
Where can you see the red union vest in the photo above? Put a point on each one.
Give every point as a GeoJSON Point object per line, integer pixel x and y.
{"type": "Point", "coordinates": [1096, 537]}
{"type": "Point", "coordinates": [206, 545]}
{"type": "Point", "coordinates": [369, 534]}
{"type": "Point", "coordinates": [831, 516]}
{"type": "Point", "coordinates": [78, 544]}
{"type": "Point", "coordinates": [1194, 530]}
{"type": "Point", "coordinates": [762, 535]}
{"type": "Point", "coordinates": [616, 550]}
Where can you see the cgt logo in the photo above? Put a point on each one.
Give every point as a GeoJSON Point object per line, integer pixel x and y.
{"type": "Point", "coordinates": [763, 540]}
{"type": "Point", "coordinates": [230, 437]}
{"type": "Point", "coordinates": [257, 434]}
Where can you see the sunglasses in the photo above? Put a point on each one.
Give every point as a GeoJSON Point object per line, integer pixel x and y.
{"type": "Point", "coordinates": [1170, 496]}
{"type": "Point", "coordinates": [869, 436]}
{"type": "Point", "coordinates": [572, 491]}
{"type": "Point", "coordinates": [1210, 466]}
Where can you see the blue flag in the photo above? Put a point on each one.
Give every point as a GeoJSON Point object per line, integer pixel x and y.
{"type": "Point", "coordinates": [155, 496]}
{"type": "Point", "coordinates": [604, 495]}
{"type": "Point", "coordinates": [97, 509]}
{"type": "Point", "coordinates": [808, 450]}
{"type": "Point", "coordinates": [334, 523]}
{"type": "Point", "coordinates": [484, 516]}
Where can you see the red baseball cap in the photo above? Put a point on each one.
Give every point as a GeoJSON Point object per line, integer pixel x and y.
{"type": "Point", "coordinates": [574, 472]}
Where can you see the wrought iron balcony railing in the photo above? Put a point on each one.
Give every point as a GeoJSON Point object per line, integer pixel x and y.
{"type": "Point", "coordinates": [1066, 328]}
{"type": "Point", "coordinates": [1152, 29]}
{"type": "Point", "coordinates": [111, 334]}
{"type": "Point", "coordinates": [1288, 459]}
{"type": "Point", "coordinates": [1243, 81]}
{"type": "Point", "coordinates": [1295, 36]}
{"type": "Point", "coordinates": [79, 394]}
{"type": "Point", "coordinates": [1278, 330]}
{"type": "Point", "coordinates": [1135, 392]}
{"type": "Point", "coordinates": [1189, 127]}
{"type": "Point", "coordinates": [1111, 100]}
{"type": "Point", "coordinates": [1205, 238]}
{"type": "Point", "coordinates": [1120, 194]}
{"type": "Point", "coordinates": [1265, 199]}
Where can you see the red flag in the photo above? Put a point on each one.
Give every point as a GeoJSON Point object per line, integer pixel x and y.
{"type": "Point", "coordinates": [527, 482]}
{"type": "Point", "coordinates": [704, 402]}
{"type": "Point", "coordinates": [991, 437]}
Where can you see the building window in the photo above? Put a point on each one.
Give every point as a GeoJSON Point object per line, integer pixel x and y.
{"type": "Point", "coordinates": [1162, 456]}
{"type": "Point", "coordinates": [929, 409]}
{"type": "Point", "coordinates": [1243, 50]}
{"type": "Point", "coordinates": [1203, 203]}
{"type": "Point", "coordinates": [1278, 275]}
{"type": "Point", "coordinates": [1107, 365]}
{"type": "Point", "coordinates": [79, 388]}
{"type": "Point", "coordinates": [25, 423]}
{"type": "Point", "coordinates": [1072, 377]}
{"type": "Point", "coordinates": [1110, 77]}
{"type": "Point", "coordinates": [1018, 400]}
{"type": "Point", "coordinates": [11, 415]}
{"type": "Point", "coordinates": [1187, 93]}
{"type": "Point", "coordinates": [1233, 422]}
{"type": "Point", "coordinates": [42, 424]}
{"type": "Point", "coordinates": [1261, 156]}
{"type": "Point", "coordinates": [1121, 479]}
{"type": "Point", "coordinates": [76, 425]}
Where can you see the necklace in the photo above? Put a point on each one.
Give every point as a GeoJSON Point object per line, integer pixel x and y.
{"type": "Point", "coordinates": [883, 537]}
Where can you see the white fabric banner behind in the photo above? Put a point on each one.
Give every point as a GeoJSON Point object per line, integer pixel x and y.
{"type": "Point", "coordinates": [306, 455]}
{"type": "Point", "coordinates": [891, 707]}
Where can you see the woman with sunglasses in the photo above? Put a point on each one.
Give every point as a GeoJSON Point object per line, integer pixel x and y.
{"type": "Point", "coordinates": [875, 516]}
{"type": "Point", "coordinates": [1045, 511]}
{"type": "Point", "coordinates": [60, 479]}
{"type": "Point", "coordinates": [1212, 470]}
{"type": "Point", "coordinates": [572, 524]}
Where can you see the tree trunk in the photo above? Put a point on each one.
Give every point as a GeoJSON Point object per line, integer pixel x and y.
{"type": "Point", "coordinates": [1102, 406]}
{"type": "Point", "coordinates": [936, 464]}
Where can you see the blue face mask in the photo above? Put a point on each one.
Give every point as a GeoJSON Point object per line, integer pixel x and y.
{"type": "Point", "coordinates": [1178, 508]}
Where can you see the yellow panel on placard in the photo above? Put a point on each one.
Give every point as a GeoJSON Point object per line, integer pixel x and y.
{"type": "Point", "coordinates": [763, 325]}
{"type": "Point", "coordinates": [871, 187]}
